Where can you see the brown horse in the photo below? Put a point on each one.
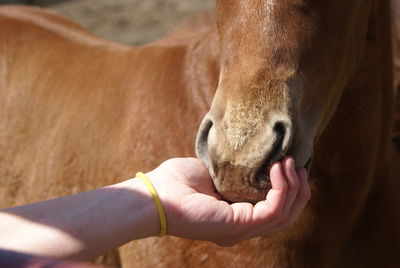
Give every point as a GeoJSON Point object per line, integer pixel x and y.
{"type": "Point", "coordinates": [311, 79]}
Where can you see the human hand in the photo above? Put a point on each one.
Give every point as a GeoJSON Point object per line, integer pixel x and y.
{"type": "Point", "coordinates": [195, 211]}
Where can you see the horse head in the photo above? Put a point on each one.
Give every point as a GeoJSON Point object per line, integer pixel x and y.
{"type": "Point", "coordinates": [283, 67]}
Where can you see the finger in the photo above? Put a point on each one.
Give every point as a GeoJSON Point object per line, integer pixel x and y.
{"type": "Point", "coordinates": [303, 195]}
{"type": "Point", "coordinates": [289, 171]}
{"type": "Point", "coordinates": [281, 222]}
{"type": "Point", "coordinates": [273, 206]}
{"type": "Point", "coordinates": [301, 199]}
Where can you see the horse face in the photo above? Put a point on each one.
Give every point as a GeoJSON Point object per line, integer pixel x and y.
{"type": "Point", "coordinates": [269, 102]}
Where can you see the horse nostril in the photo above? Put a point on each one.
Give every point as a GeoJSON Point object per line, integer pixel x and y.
{"type": "Point", "coordinates": [280, 130]}
{"type": "Point", "coordinates": [202, 140]}
{"type": "Point", "coordinates": [280, 144]}
{"type": "Point", "coordinates": [281, 133]}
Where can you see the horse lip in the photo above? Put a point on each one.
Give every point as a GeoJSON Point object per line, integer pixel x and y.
{"type": "Point", "coordinates": [308, 164]}
{"type": "Point", "coordinates": [262, 185]}
{"type": "Point", "coordinates": [261, 177]}
{"type": "Point", "coordinates": [238, 197]}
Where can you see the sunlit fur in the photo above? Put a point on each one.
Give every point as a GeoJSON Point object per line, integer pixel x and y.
{"type": "Point", "coordinates": [282, 63]}
{"type": "Point", "coordinates": [78, 112]}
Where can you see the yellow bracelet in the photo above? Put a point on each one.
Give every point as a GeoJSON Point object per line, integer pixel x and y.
{"type": "Point", "coordinates": [157, 201]}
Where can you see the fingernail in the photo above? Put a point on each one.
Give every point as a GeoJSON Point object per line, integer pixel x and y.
{"type": "Point", "coordinates": [272, 164]}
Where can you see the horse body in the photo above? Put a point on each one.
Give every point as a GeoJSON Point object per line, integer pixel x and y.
{"type": "Point", "coordinates": [80, 112]}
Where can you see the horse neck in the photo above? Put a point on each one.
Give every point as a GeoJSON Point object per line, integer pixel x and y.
{"type": "Point", "coordinates": [199, 39]}
{"type": "Point", "coordinates": [353, 154]}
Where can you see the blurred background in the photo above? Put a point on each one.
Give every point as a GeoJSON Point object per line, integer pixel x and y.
{"type": "Point", "coordinates": [132, 22]}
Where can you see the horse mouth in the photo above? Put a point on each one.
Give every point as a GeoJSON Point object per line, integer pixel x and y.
{"type": "Point", "coordinates": [253, 198]}
{"type": "Point", "coordinates": [262, 179]}
{"type": "Point", "coordinates": [260, 185]}
{"type": "Point", "coordinates": [308, 164]}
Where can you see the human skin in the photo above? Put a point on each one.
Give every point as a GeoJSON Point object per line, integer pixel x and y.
{"type": "Point", "coordinates": [88, 224]}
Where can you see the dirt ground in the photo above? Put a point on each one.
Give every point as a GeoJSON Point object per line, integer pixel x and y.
{"type": "Point", "coordinates": [131, 22]}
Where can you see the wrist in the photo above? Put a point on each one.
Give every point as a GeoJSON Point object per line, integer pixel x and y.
{"type": "Point", "coordinates": [143, 213]}
{"type": "Point", "coordinates": [162, 185]}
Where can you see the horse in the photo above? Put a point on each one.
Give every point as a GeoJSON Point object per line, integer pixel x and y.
{"type": "Point", "coordinates": [309, 79]}
{"type": "Point", "coordinates": [80, 112]}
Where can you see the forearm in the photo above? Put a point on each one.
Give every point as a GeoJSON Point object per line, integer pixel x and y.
{"type": "Point", "coordinates": [89, 224]}
{"type": "Point", "coordinates": [81, 226]}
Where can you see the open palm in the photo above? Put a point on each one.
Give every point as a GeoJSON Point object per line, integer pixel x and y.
{"type": "Point", "coordinates": [194, 209]}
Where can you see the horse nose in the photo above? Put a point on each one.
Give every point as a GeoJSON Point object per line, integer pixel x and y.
{"type": "Point", "coordinates": [202, 140]}
{"type": "Point", "coordinates": [281, 133]}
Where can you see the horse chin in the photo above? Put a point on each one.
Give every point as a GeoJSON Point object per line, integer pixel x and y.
{"type": "Point", "coordinates": [242, 194]}
{"type": "Point", "coordinates": [255, 194]}
{"type": "Point", "coordinates": [233, 197]}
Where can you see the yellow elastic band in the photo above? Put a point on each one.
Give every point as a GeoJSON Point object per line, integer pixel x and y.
{"type": "Point", "coordinates": [157, 201]}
